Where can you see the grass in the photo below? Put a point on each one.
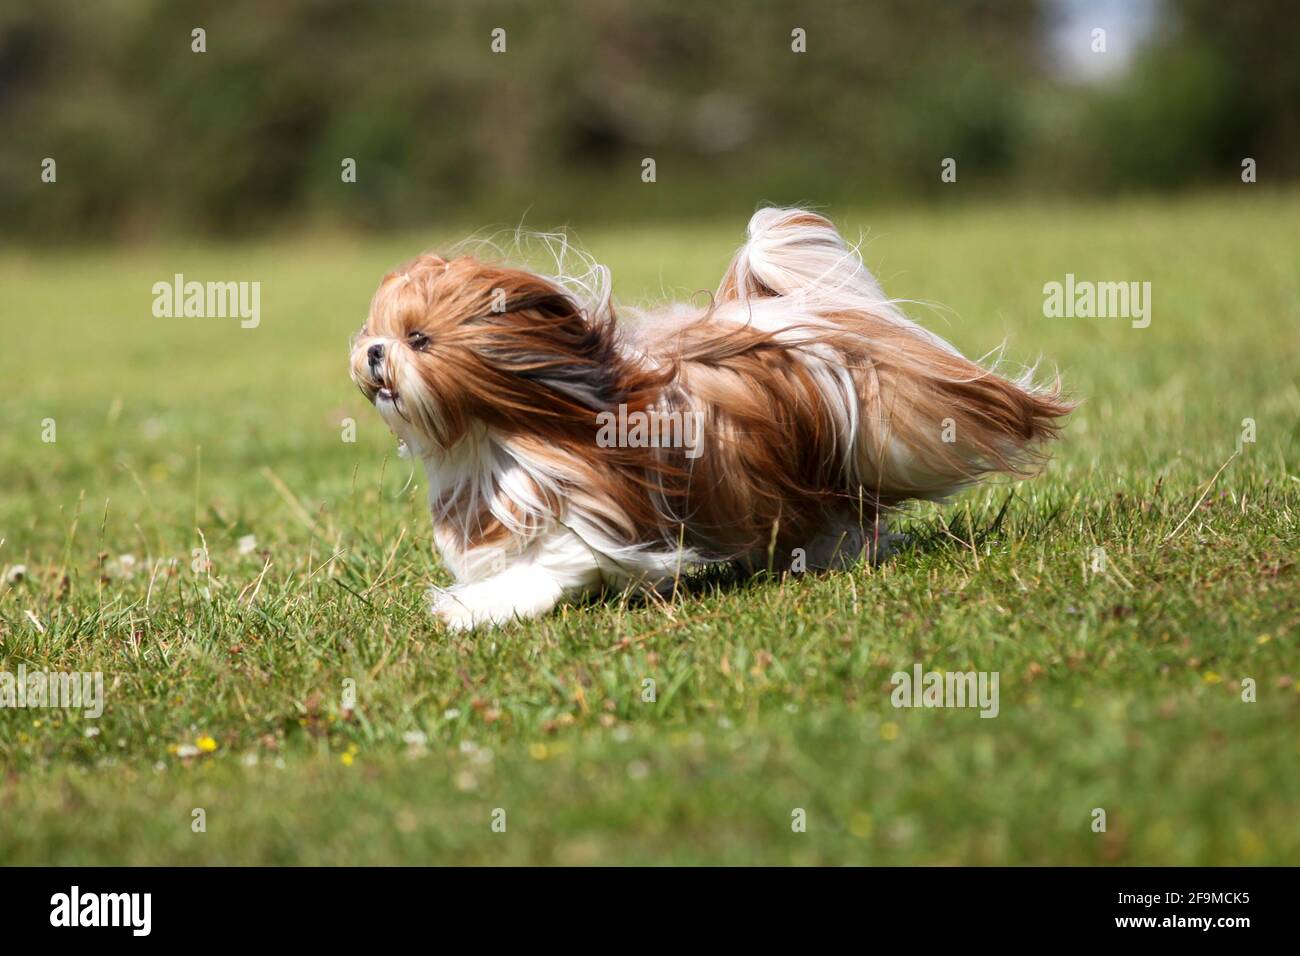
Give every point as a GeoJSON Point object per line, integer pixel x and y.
{"type": "Point", "coordinates": [1121, 688]}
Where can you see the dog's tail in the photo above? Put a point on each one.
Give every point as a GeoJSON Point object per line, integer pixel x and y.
{"type": "Point", "coordinates": [925, 420]}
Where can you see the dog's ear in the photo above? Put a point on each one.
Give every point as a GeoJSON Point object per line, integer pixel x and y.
{"type": "Point", "coordinates": [549, 352]}
{"type": "Point", "coordinates": [567, 355]}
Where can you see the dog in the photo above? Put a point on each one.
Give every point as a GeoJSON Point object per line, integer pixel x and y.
{"type": "Point", "coordinates": [567, 451]}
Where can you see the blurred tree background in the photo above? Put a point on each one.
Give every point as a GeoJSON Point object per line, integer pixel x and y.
{"type": "Point", "coordinates": [152, 138]}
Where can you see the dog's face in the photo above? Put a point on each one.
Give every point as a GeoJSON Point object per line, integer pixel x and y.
{"type": "Point", "coordinates": [449, 343]}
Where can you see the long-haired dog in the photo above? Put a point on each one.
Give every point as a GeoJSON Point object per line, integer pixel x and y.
{"type": "Point", "coordinates": [566, 451]}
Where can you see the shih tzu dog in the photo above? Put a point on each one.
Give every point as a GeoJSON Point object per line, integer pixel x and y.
{"type": "Point", "coordinates": [567, 451]}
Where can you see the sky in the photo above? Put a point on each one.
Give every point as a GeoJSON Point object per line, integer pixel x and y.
{"type": "Point", "coordinates": [1129, 24]}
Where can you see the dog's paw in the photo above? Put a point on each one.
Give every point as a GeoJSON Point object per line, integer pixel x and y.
{"type": "Point", "coordinates": [453, 615]}
{"type": "Point", "coordinates": [513, 595]}
{"type": "Point", "coordinates": [474, 606]}
{"type": "Point", "coordinates": [459, 610]}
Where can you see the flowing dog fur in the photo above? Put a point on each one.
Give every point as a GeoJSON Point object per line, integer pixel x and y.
{"type": "Point", "coordinates": [821, 406]}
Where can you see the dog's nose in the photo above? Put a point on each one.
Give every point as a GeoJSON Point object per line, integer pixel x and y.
{"type": "Point", "coordinates": [375, 355]}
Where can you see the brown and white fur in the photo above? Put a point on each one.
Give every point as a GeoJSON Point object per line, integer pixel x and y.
{"type": "Point", "coordinates": [820, 405]}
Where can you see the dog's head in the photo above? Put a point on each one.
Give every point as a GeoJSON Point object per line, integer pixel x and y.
{"type": "Point", "coordinates": [453, 342]}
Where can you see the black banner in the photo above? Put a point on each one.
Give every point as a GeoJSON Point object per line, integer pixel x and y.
{"type": "Point", "coordinates": [926, 905]}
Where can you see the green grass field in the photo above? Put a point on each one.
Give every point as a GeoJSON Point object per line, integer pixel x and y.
{"type": "Point", "coordinates": [1121, 688]}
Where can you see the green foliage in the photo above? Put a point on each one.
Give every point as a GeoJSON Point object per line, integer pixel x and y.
{"type": "Point", "coordinates": [153, 138]}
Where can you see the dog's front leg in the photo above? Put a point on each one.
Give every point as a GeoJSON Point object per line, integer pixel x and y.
{"type": "Point", "coordinates": [519, 592]}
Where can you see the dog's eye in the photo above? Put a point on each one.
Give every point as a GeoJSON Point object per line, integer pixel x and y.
{"type": "Point", "coordinates": [418, 341]}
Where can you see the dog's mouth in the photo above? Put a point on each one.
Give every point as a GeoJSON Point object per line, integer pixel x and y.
{"type": "Point", "coordinates": [383, 397]}
{"type": "Point", "coordinates": [389, 403]}
{"type": "Point", "coordinates": [376, 390]}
